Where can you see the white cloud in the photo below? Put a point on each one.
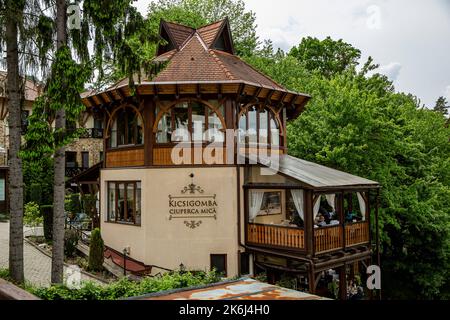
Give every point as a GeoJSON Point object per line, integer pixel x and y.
{"type": "Point", "coordinates": [447, 92]}
{"type": "Point", "coordinates": [373, 17]}
{"type": "Point", "coordinates": [391, 70]}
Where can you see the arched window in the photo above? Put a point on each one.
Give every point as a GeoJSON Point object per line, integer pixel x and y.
{"type": "Point", "coordinates": [190, 120]}
{"type": "Point", "coordinates": [127, 128]}
{"type": "Point", "coordinates": [259, 125]}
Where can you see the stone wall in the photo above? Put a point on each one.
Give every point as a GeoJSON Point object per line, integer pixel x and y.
{"type": "Point", "coordinates": [93, 146]}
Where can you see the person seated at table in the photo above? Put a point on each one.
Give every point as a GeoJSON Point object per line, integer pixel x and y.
{"type": "Point", "coordinates": [321, 220]}
{"type": "Point", "coordinates": [326, 214]}
{"type": "Point", "coordinates": [349, 216]}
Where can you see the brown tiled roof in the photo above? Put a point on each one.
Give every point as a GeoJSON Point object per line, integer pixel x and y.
{"type": "Point", "coordinates": [179, 33]}
{"type": "Point", "coordinates": [193, 63]}
{"type": "Point", "coordinates": [243, 71]}
{"type": "Point", "coordinates": [196, 61]}
{"type": "Point", "coordinates": [209, 32]}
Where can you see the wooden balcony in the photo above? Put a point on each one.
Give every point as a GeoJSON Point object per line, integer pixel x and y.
{"type": "Point", "coordinates": [326, 239]}
{"type": "Point", "coordinates": [356, 233]}
{"type": "Point", "coordinates": [276, 236]}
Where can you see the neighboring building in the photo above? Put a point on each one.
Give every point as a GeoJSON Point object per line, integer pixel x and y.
{"type": "Point", "coordinates": [80, 155]}
{"type": "Point", "coordinates": [219, 212]}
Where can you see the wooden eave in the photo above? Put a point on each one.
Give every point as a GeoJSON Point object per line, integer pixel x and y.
{"type": "Point", "coordinates": [294, 101]}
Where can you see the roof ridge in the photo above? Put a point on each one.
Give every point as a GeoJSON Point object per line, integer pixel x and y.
{"type": "Point", "coordinates": [179, 24]}
{"type": "Point", "coordinates": [253, 68]}
{"type": "Point", "coordinates": [210, 24]}
{"type": "Point", "coordinates": [228, 73]}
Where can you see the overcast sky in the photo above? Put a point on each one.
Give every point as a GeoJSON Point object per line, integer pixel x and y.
{"type": "Point", "coordinates": [410, 39]}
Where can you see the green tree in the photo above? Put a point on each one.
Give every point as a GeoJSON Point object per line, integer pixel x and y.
{"type": "Point", "coordinates": [328, 56]}
{"type": "Point", "coordinates": [96, 248]}
{"type": "Point", "coordinates": [441, 106]}
{"type": "Point", "coordinates": [12, 21]}
{"type": "Point", "coordinates": [121, 40]}
{"type": "Point", "coordinates": [359, 124]}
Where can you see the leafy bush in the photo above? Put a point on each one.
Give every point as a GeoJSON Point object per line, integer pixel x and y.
{"type": "Point", "coordinates": [35, 193]}
{"type": "Point", "coordinates": [73, 203]}
{"type": "Point", "coordinates": [4, 274]}
{"type": "Point", "coordinates": [47, 214]}
{"type": "Point", "coordinates": [70, 243]}
{"type": "Point", "coordinates": [33, 216]}
{"type": "Point", "coordinates": [124, 288]}
{"type": "Point", "coordinates": [96, 248]}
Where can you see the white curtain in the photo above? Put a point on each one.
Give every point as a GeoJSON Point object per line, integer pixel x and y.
{"type": "Point", "coordinates": [255, 203]}
{"type": "Point", "coordinates": [362, 205]}
{"type": "Point", "coordinates": [297, 196]}
{"type": "Point", "coordinates": [316, 207]}
{"type": "Point", "coordinates": [330, 200]}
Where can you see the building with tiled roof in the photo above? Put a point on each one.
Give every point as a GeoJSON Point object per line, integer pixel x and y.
{"type": "Point", "coordinates": [197, 173]}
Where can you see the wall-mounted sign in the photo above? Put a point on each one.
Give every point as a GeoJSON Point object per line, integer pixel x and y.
{"type": "Point", "coordinates": [193, 204]}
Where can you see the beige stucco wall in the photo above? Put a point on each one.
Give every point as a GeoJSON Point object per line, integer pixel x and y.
{"type": "Point", "coordinates": [168, 243]}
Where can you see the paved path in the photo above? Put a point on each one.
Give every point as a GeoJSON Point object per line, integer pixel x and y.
{"type": "Point", "coordinates": [37, 264]}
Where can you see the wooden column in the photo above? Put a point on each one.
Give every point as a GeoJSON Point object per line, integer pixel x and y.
{"type": "Point", "coordinates": [308, 223]}
{"type": "Point", "coordinates": [149, 119]}
{"type": "Point", "coordinates": [342, 217]}
{"type": "Point", "coordinates": [343, 283]}
{"type": "Point", "coordinates": [311, 280]}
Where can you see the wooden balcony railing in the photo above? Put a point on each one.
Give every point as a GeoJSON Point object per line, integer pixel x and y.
{"type": "Point", "coordinates": [328, 238]}
{"type": "Point", "coordinates": [356, 233]}
{"type": "Point", "coordinates": [277, 236]}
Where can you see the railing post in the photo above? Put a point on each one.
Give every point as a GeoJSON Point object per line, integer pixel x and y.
{"type": "Point", "coordinates": [309, 228]}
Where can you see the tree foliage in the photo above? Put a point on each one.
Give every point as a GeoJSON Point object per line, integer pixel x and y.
{"type": "Point", "coordinates": [357, 123]}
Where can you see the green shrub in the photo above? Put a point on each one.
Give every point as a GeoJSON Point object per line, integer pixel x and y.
{"type": "Point", "coordinates": [124, 288]}
{"type": "Point", "coordinates": [70, 243]}
{"type": "Point", "coordinates": [72, 203]}
{"type": "Point", "coordinates": [96, 248]}
{"type": "Point", "coordinates": [33, 216]}
{"type": "Point", "coordinates": [47, 214]}
{"type": "Point", "coordinates": [35, 193]}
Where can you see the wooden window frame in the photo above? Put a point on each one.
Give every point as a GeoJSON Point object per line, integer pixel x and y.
{"type": "Point", "coordinates": [114, 185]}
{"type": "Point", "coordinates": [224, 255]}
{"type": "Point", "coordinates": [114, 118]}
{"type": "Point", "coordinates": [270, 115]}
{"type": "Point", "coordinates": [207, 109]}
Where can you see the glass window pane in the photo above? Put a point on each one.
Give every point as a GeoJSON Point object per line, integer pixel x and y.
{"type": "Point", "coordinates": [138, 203]}
{"type": "Point", "coordinates": [121, 202]}
{"type": "Point", "coordinates": [130, 203]}
{"type": "Point", "coordinates": [131, 123]}
{"type": "Point", "coordinates": [121, 127]}
{"type": "Point", "coordinates": [111, 201]}
{"type": "Point", "coordinates": [274, 132]}
{"type": "Point", "coordinates": [113, 137]}
{"type": "Point", "coordinates": [214, 133]}
{"type": "Point", "coordinates": [181, 123]}
{"type": "Point", "coordinates": [251, 131]}
{"type": "Point", "coordinates": [242, 128]}
{"type": "Point", "coordinates": [198, 121]}
{"type": "Point", "coordinates": [140, 130]}
{"type": "Point", "coordinates": [164, 129]}
{"type": "Point", "coordinates": [263, 123]}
